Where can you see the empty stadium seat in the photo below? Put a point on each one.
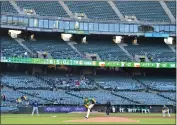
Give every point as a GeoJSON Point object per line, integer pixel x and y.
{"type": "Point", "coordinates": [102, 97]}
{"type": "Point", "coordinates": [44, 8]}
{"type": "Point", "coordinates": [11, 48]}
{"type": "Point", "coordinates": [93, 9]}
{"type": "Point", "coordinates": [6, 109]}
{"type": "Point", "coordinates": [146, 98]}
{"type": "Point", "coordinates": [6, 7]}
{"type": "Point", "coordinates": [22, 81]}
{"type": "Point", "coordinates": [158, 51]}
{"type": "Point", "coordinates": [107, 50]}
{"type": "Point", "coordinates": [143, 10]}
{"type": "Point", "coordinates": [159, 83]}
{"type": "Point", "coordinates": [171, 95]}
{"type": "Point", "coordinates": [56, 96]}
{"type": "Point", "coordinates": [57, 48]}
{"type": "Point", "coordinates": [63, 82]}
{"type": "Point", "coordinates": [129, 91]}
{"type": "Point", "coordinates": [12, 95]}
{"type": "Point", "coordinates": [172, 6]}
{"type": "Point", "coordinates": [118, 82]}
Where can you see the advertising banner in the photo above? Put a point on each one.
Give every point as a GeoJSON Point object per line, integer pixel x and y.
{"type": "Point", "coordinates": [65, 109]}
{"type": "Point", "coordinates": [76, 31]}
{"type": "Point", "coordinates": [89, 63]}
{"type": "Point", "coordinates": [156, 35]}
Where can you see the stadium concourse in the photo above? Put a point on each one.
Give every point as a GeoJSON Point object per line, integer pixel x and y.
{"type": "Point", "coordinates": [56, 53]}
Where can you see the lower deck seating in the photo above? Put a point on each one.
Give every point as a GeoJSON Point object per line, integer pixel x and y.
{"type": "Point", "coordinates": [57, 97]}
{"type": "Point", "coordinates": [8, 109]}
{"type": "Point", "coordinates": [22, 81]}
{"type": "Point", "coordinates": [71, 82]}
{"type": "Point", "coordinates": [118, 82]}
{"type": "Point", "coordinates": [159, 83]}
{"type": "Point", "coordinates": [102, 97]}
{"type": "Point", "coordinates": [171, 95]}
{"type": "Point", "coordinates": [127, 92]}
{"type": "Point", "coordinates": [8, 104]}
{"type": "Point", "coordinates": [146, 98]}
{"type": "Point", "coordinates": [12, 96]}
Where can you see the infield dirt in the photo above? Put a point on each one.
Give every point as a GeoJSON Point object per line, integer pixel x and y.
{"type": "Point", "coordinates": [105, 119]}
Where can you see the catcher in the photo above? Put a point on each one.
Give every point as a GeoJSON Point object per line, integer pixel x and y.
{"type": "Point", "coordinates": [89, 103]}
{"type": "Point", "coordinates": [165, 109]}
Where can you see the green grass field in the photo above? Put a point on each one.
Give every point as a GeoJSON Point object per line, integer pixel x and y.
{"type": "Point", "coordinates": [64, 118]}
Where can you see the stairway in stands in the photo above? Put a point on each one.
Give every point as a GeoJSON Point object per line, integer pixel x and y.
{"type": "Point", "coordinates": [20, 41]}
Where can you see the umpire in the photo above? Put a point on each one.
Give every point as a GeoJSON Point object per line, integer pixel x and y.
{"type": "Point", "coordinates": [108, 107]}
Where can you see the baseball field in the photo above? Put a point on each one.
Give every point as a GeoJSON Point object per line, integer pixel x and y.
{"type": "Point", "coordinates": [94, 118]}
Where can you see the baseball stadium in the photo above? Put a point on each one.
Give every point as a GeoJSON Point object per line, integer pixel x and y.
{"type": "Point", "coordinates": [88, 61]}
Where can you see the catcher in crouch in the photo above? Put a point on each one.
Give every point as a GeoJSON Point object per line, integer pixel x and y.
{"type": "Point", "coordinates": [165, 109]}
{"type": "Point", "coordinates": [89, 103]}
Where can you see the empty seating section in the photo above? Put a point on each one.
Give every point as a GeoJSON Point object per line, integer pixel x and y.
{"type": "Point", "coordinates": [118, 82]}
{"type": "Point", "coordinates": [36, 89]}
{"type": "Point", "coordinates": [105, 49]}
{"type": "Point", "coordinates": [8, 103]}
{"type": "Point", "coordinates": [7, 109]}
{"type": "Point", "coordinates": [143, 10]}
{"type": "Point", "coordinates": [93, 9]}
{"type": "Point", "coordinates": [171, 95]}
{"type": "Point", "coordinates": [102, 97]}
{"type": "Point", "coordinates": [172, 6]}
{"type": "Point", "coordinates": [44, 8]}
{"type": "Point", "coordinates": [159, 51]}
{"type": "Point", "coordinates": [11, 97]}
{"type": "Point", "coordinates": [11, 48]}
{"type": "Point", "coordinates": [57, 48]}
{"type": "Point", "coordinates": [159, 83]}
{"type": "Point", "coordinates": [6, 7]}
{"type": "Point", "coordinates": [146, 98]}
{"type": "Point", "coordinates": [21, 81]}
{"type": "Point", "coordinates": [61, 81]}
{"type": "Point", "coordinates": [56, 96]}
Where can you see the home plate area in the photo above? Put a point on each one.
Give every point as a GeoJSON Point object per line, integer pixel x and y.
{"type": "Point", "coordinates": [103, 119]}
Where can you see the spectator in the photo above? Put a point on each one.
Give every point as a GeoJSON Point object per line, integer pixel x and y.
{"type": "Point", "coordinates": [27, 104]}
{"type": "Point", "coordinates": [1, 87]}
{"type": "Point", "coordinates": [18, 100]}
{"type": "Point", "coordinates": [45, 55]}
{"type": "Point", "coordinates": [77, 83]}
{"type": "Point", "coordinates": [25, 54]}
{"type": "Point", "coordinates": [24, 98]}
{"type": "Point", "coordinates": [4, 97]}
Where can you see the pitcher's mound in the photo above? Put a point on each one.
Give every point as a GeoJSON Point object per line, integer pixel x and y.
{"type": "Point", "coordinates": [104, 119]}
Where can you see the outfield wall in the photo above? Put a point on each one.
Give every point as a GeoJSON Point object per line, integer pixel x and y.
{"type": "Point", "coordinates": [97, 108]}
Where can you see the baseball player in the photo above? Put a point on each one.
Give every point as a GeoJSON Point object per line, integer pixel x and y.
{"type": "Point", "coordinates": [35, 108]}
{"type": "Point", "coordinates": [108, 107]}
{"type": "Point", "coordinates": [165, 109]}
{"type": "Point", "coordinates": [89, 103]}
